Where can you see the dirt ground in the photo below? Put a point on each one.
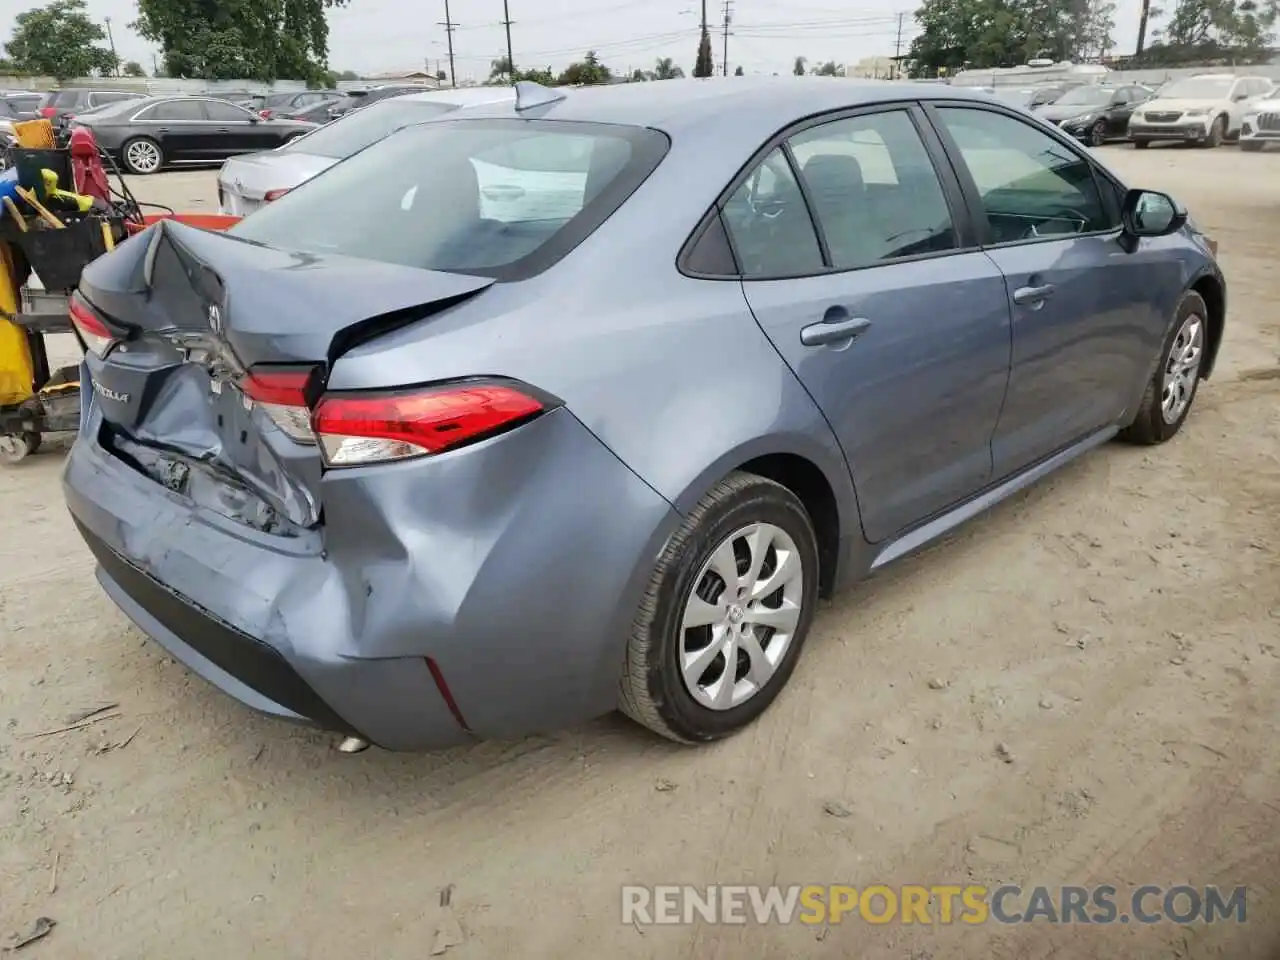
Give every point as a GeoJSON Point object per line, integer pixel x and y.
{"type": "Point", "coordinates": [1117, 627]}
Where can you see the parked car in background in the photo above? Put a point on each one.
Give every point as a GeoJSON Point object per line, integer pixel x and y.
{"type": "Point", "coordinates": [287, 104]}
{"type": "Point", "coordinates": [1094, 113]}
{"type": "Point", "coordinates": [242, 98]}
{"type": "Point", "coordinates": [355, 99]}
{"type": "Point", "coordinates": [147, 135]}
{"type": "Point", "coordinates": [316, 113]}
{"type": "Point", "coordinates": [25, 104]}
{"type": "Point", "coordinates": [62, 106]}
{"type": "Point", "coordinates": [522, 415]}
{"type": "Point", "coordinates": [245, 183]}
{"type": "Point", "coordinates": [1261, 123]}
{"type": "Point", "coordinates": [1205, 109]}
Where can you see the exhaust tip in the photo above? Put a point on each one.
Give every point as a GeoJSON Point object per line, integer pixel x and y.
{"type": "Point", "coordinates": [353, 745]}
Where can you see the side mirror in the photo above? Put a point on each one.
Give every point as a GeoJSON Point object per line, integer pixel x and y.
{"type": "Point", "coordinates": [1148, 213]}
{"type": "Point", "coordinates": [1240, 96]}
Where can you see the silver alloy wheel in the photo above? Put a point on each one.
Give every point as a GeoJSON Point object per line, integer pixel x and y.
{"type": "Point", "coordinates": [741, 616]}
{"type": "Point", "coordinates": [143, 156]}
{"type": "Point", "coordinates": [1182, 368]}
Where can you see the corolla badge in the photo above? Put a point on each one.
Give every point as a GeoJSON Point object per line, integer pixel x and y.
{"type": "Point", "coordinates": [215, 318]}
{"type": "Point", "coordinates": [108, 394]}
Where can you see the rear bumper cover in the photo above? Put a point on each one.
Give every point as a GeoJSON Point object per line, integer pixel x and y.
{"type": "Point", "coordinates": [516, 565]}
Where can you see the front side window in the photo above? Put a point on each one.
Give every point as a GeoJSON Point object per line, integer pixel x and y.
{"type": "Point", "coordinates": [874, 189]}
{"type": "Point", "coordinates": [226, 112]}
{"type": "Point", "coordinates": [769, 223]}
{"type": "Point", "coordinates": [500, 198]}
{"type": "Point", "coordinates": [1031, 185]}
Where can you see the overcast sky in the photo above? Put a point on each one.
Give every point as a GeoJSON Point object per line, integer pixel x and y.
{"type": "Point", "coordinates": [386, 35]}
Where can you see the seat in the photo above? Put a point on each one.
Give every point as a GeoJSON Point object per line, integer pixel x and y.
{"type": "Point", "coordinates": [839, 195]}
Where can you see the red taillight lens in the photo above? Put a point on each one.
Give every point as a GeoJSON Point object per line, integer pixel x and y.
{"type": "Point", "coordinates": [274, 194]}
{"type": "Point", "coordinates": [282, 394]}
{"type": "Point", "coordinates": [356, 429]}
{"type": "Point", "coordinates": [265, 114]}
{"type": "Point", "coordinates": [93, 332]}
{"type": "Point", "coordinates": [48, 112]}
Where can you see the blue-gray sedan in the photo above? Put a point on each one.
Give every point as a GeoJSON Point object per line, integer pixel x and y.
{"type": "Point", "coordinates": [581, 401]}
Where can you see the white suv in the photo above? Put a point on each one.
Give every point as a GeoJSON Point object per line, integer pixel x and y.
{"type": "Point", "coordinates": [1206, 109]}
{"type": "Point", "coordinates": [1261, 123]}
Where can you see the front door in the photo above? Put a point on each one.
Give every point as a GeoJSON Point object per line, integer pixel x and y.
{"type": "Point", "coordinates": [1118, 114]}
{"type": "Point", "coordinates": [176, 125]}
{"type": "Point", "coordinates": [231, 130]}
{"type": "Point", "coordinates": [1082, 311]}
{"type": "Point", "coordinates": [891, 318]}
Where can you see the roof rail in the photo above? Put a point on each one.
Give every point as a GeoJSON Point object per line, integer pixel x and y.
{"type": "Point", "coordinates": [530, 94]}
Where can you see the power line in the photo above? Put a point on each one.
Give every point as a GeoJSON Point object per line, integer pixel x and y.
{"type": "Point", "coordinates": [448, 32]}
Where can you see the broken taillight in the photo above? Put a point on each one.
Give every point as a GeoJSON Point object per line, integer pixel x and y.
{"type": "Point", "coordinates": [92, 331]}
{"type": "Point", "coordinates": [356, 429]}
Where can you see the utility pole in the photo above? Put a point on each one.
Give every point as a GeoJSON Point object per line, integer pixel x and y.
{"type": "Point", "coordinates": [728, 18]}
{"type": "Point", "coordinates": [506, 22]}
{"type": "Point", "coordinates": [111, 40]}
{"type": "Point", "coordinates": [897, 50]}
{"type": "Point", "coordinates": [449, 27]}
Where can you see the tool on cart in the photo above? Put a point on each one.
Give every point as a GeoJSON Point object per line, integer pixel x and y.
{"type": "Point", "coordinates": [58, 212]}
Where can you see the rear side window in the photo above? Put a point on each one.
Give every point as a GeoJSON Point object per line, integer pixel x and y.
{"type": "Point", "coordinates": [368, 125]}
{"type": "Point", "coordinates": [769, 223]}
{"type": "Point", "coordinates": [174, 110]}
{"type": "Point", "coordinates": [499, 198]}
{"type": "Point", "coordinates": [100, 98]}
{"type": "Point", "coordinates": [874, 189]}
{"type": "Point", "coordinates": [64, 98]}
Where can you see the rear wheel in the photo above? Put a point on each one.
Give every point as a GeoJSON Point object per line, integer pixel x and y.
{"type": "Point", "coordinates": [142, 156]}
{"type": "Point", "coordinates": [1168, 397]}
{"type": "Point", "coordinates": [1098, 134]}
{"type": "Point", "coordinates": [726, 614]}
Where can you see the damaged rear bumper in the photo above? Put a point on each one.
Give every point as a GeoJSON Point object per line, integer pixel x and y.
{"type": "Point", "coordinates": [472, 595]}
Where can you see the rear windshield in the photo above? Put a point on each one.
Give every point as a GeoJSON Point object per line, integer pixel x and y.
{"type": "Point", "coordinates": [63, 98]}
{"type": "Point", "coordinates": [499, 198]}
{"type": "Point", "coordinates": [358, 129]}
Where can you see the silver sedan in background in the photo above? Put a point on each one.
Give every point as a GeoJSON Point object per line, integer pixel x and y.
{"type": "Point", "coordinates": [247, 182]}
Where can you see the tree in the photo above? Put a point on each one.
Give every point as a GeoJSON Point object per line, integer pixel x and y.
{"type": "Point", "coordinates": [134, 69]}
{"type": "Point", "coordinates": [739, 72]}
{"type": "Point", "coordinates": [59, 41]}
{"type": "Point", "coordinates": [588, 70]}
{"type": "Point", "coordinates": [441, 76]}
{"type": "Point", "coordinates": [704, 66]}
{"type": "Point", "coordinates": [500, 71]}
{"type": "Point", "coordinates": [639, 76]}
{"type": "Point", "coordinates": [666, 69]}
{"type": "Point", "coordinates": [830, 69]}
{"type": "Point", "coordinates": [352, 75]}
{"type": "Point", "coordinates": [239, 39]}
{"type": "Point", "coordinates": [798, 69]}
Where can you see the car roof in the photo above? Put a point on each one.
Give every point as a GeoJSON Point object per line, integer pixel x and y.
{"type": "Point", "coordinates": [760, 104]}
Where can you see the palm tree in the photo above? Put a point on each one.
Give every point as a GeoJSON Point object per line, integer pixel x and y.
{"type": "Point", "coordinates": [798, 70]}
{"type": "Point", "coordinates": [666, 69]}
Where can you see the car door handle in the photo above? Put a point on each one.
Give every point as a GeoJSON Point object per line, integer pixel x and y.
{"type": "Point", "coordinates": [841, 327]}
{"type": "Point", "coordinates": [1032, 295]}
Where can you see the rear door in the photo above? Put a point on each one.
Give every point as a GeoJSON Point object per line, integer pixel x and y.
{"type": "Point", "coordinates": [1083, 308]}
{"type": "Point", "coordinates": [895, 322]}
{"type": "Point", "coordinates": [177, 125]}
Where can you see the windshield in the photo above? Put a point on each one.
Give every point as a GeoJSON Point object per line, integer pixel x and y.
{"type": "Point", "coordinates": [1021, 98]}
{"type": "Point", "coordinates": [1198, 88]}
{"type": "Point", "coordinates": [1085, 96]}
{"type": "Point", "coordinates": [358, 129]}
{"type": "Point", "coordinates": [500, 198]}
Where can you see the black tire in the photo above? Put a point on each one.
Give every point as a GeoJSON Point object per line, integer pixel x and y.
{"type": "Point", "coordinates": [653, 691]}
{"type": "Point", "coordinates": [1141, 144]}
{"type": "Point", "coordinates": [1251, 146]}
{"type": "Point", "coordinates": [1149, 426]}
{"type": "Point", "coordinates": [1098, 134]}
{"type": "Point", "coordinates": [33, 441]}
{"type": "Point", "coordinates": [129, 164]}
{"type": "Point", "coordinates": [1217, 133]}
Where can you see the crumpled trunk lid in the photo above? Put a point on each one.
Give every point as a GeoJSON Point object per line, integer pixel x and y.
{"type": "Point", "coordinates": [196, 310]}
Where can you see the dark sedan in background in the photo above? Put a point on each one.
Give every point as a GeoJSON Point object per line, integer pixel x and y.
{"type": "Point", "coordinates": [148, 134]}
{"type": "Point", "coordinates": [1095, 114]}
